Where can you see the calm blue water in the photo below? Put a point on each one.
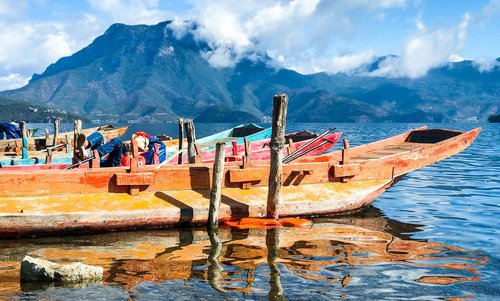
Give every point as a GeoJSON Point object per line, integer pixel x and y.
{"type": "Point", "coordinates": [434, 236]}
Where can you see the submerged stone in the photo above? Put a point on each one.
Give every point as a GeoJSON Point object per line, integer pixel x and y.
{"type": "Point", "coordinates": [39, 270]}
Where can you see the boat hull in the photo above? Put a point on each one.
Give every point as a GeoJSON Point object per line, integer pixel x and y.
{"type": "Point", "coordinates": [25, 216]}
{"type": "Point", "coordinates": [107, 199]}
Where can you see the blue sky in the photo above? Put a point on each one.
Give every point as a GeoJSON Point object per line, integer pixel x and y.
{"type": "Point", "coordinates": [305, 35]}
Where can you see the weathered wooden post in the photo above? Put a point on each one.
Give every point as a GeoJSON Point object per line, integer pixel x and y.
{"type": "Point", "coordinates": [345, 152]}
{"type": "Point", "coordinates": [248, 153]}
{"type": "Point", "coordinates": [56, 132]}
{"type": "Point", "coordinates": [77, 131]}
{"type": "Point", "coordinates": [180, 122]}
{"type": "Point", "coordinates": [191, 140]}
{"type": "Point", "coordinates": [68, 146]}
{"type": "Point", "coordinates": [24, 140]}
{"type": "Point", "coordinates": [217, 178]}
{"type": "Point", "coordinates": [134, 165]}
{"type": "Point", "coordinates": [47, 136]}
{"type": "Point", "coordinates": [280, 103]}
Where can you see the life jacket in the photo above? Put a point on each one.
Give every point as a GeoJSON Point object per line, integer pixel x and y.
{"type": "Point", "coordinates": [157, 151]}
{"type": "Point", "coordinates": [126, 160]}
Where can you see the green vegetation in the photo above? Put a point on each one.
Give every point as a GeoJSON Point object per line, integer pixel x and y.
{"type": "Point", "coordinates": [494, 118]}
{"type": "Point", "coordinates": [15, 110]}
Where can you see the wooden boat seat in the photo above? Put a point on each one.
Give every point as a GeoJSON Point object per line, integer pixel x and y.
{"type": "Point", "coordinates": [389, 150]}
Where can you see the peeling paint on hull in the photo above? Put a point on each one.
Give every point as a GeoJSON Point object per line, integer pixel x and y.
{"type": "Point", "coordinates": [109, 212]}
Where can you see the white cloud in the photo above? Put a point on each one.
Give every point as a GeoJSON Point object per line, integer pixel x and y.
{"type": "Point", "coordinates": [12, 8]}
{"type": "Point", "coordinates": [426, 50]}
{"type": "Point", "coordinates": [455, 58]}
{"type": "Point", "coordinates": [486, 64]}
{"type": "Point", "coordinates": [341, 63]}
{"type": "Point", "coordinates": [301, 34]}
{"type": "Point", "coordinates": [490, 10]}
{"type": "Point", "coordinates": [33, 46]}
{"type": "Point", "coordinates": [12, 81]}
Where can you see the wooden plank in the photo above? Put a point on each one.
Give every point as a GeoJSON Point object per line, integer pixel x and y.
{"type": "Point", "coordinates": [246, 175]}
{"type": "Point", "coordinates": [138, 178]}
{"type": "Point", "coordinates": [347, 170]}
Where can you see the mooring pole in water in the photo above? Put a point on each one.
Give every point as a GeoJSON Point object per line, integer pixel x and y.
{"type": "Point", "coordinates": [191, 140]}
{"type": "Point", "coordinates": [280, 103]}
{"type": "Point", "coordinates": [218, 177]}
{"type": "Point", "coordinates": [56, 132]}
{"type": "Point", "coordinates": [24, 140]}
{"type": "Point", "coordinates": [180, 123]}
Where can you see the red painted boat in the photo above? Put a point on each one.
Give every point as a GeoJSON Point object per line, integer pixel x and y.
{"type": "Point", "coordinates": [107, 199]}
{"type": "Point", "coordinates": [259, 150]}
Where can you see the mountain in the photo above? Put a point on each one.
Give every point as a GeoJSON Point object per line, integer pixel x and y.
{"type": "Point", "coordinates": [14, 110]}
{"type": "Point", "coordinates": [144, 73]}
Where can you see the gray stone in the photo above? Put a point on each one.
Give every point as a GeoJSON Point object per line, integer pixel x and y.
{"type": "Point", "coordinates": [39, 270]}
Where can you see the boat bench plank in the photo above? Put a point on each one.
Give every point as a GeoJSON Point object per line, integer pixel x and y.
{"type": "Point", "coordinates": [389, 150]}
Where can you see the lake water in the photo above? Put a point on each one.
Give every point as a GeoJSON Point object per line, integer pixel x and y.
{"type": "Point", "coordinates": [433, 236]}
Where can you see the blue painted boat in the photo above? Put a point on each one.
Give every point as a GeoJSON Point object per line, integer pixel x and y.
{"type": "Point", "coordinates": [251, 132]}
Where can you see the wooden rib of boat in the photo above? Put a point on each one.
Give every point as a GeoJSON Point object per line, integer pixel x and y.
{"type": "Point", "coordinates": [104, 199]}
{"type": "Point", "coordinates": [9, 146]}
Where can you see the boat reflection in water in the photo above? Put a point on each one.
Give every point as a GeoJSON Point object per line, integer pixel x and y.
{"type": "Point", "coordinates": [343, 252]}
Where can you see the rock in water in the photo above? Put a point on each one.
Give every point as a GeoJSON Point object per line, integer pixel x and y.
{"type": "Point", "coordinates": [39, 270]}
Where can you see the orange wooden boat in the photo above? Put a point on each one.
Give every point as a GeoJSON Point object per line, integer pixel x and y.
{"type": "Point", "coordinates": [105, 199]}
{"type": "Point", "coordinates": [12, 146]}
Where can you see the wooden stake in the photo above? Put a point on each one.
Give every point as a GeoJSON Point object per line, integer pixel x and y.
{"type": "Point", "coordinates": [247, 158]}
{"type": "Point", "coordinates": [68, 146]}
{"type": "Point", "coordinates": [217, 178]}
{"type": "Point", "coordinates": [24, 140]}
{"type": "Point", "coordinates": [78, 129]}
{"type": "Point", "coordinates": [345, 152]}
{"type": "Point", "coordinates": [180, 122]}
{"type": "Point", "coordinates": [191, 139]}
{"type": "Point", "coordinates": [56, 132]}
{"type": "Point", "coordinates": [280, 103]}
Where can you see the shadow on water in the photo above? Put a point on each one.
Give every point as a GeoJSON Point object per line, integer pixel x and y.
{"type": "Point", "coordinates": [339, 256]}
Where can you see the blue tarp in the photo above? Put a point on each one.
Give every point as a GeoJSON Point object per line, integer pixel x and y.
{"type": "Point", "coordinates": [9, 131]}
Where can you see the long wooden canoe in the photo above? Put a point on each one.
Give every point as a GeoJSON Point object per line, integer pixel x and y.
{"type": "Point", "coordinates": [40, 143]}
{"type": "Point", "coordinates": [105, 199]}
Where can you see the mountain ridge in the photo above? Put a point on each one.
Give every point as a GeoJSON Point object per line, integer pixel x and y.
{"type": "Point", "coordinates": [144, 73]}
